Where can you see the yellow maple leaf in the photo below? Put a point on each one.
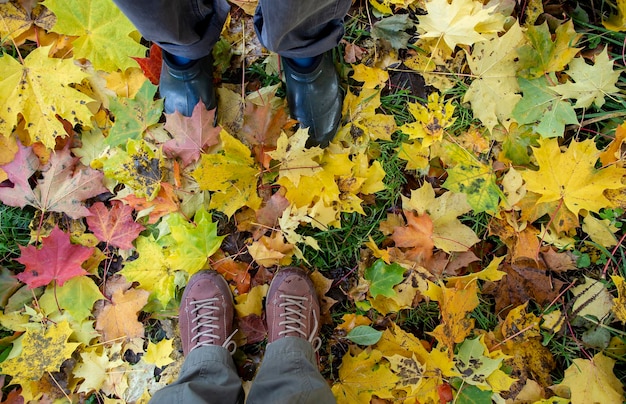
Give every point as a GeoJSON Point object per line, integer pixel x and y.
{"type": "Point", "coordinates": [416, 156]}
{"type": "Point", "coordinates": [370, 76]}
{"type": "Point", "coordinates": [364, 123]}
{"type": "Point", "coordinates": [43, 350]}
{"type": "Point", "coordinates": [159, 353]}
{"type": "Point", "coordinates": [431, 120]}
{"type": "Point", "coordinates": [494, 91]}
{"type": "Point", "coordinates": [617, 21]}
{"type": "Point", "coordinates": [592, 379]}
{"type": "Point", "coordinates": [619, 303]}
{"type": "Point", "coordinates": [449, 234]}
{"type": "Point", "coordinates": [459, 21]}
{"type": "Point", "coordinates": [456, 304]}
{"type": "Point", "coordinates": [363, 375]}
{"type": "Point", "coordinates": [93, 368]}
{"type": "Point", "coordinates": [295, 160]}
{"type": "Point", "coordinates": [271, 251]}
{"type": "Point", "coordinates": [570, 177]}
{"type": "Point", "coordinates": [437, 365]}
{"type": "Point", "coordinates": [232, 176]}
{"type": "Point", "coordinates": [39, 90]}
{"type": "Point", "coordinates": [152, 270]}
{"type": "Point", "coordinates": [251, 302]}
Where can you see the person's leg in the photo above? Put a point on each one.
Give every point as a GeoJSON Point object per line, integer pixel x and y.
{"type": "Point", "coordinates": [300, 28]}
{"type": "Point", "coordinates": [207, 376]}
{"type": "Point", "coordinates": [289, 372]}
{"type": "Point", "coordinates": [206, 329]}
{"type": "Point", "coordinates": [186, 30]}
{"type": "Point", "coordinates": [303, 32]}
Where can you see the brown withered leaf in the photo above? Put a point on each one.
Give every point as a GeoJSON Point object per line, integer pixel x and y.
{"type": "Point", "coordinates": [450, 264]}
{"type": "Point", "coordinates": [556, 261]}
{"type": "Point", "coordinates": [526, 280]}
{"type": "Point", "coordinates": [253, 327]}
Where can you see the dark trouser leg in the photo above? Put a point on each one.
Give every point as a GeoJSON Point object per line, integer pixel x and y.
{"type": "Point", "coordinates": [300, 28]}
{"type": "Point", "coordinates": [187, 28]}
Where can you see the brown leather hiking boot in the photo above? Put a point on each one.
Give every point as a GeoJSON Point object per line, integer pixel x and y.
{"type": "Point", "coordinates": [206, 313]}
{"type": "Point", "coordinates": [292, 308]}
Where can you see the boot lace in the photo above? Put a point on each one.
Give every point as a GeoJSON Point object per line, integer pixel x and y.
{"type": "Point", "coordinates": [295, 319]}
{"type": "Point", "coordinates": [207, 326]}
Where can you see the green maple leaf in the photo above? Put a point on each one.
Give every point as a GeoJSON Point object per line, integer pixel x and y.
{"type": "Point", "coordinates": [543, 55]}
{"type": "Point", "coordinates": [543, 108]}
{"type": "Point", "coordinates": [383, 278]}
{"type": "Point", "coordinates": [76, 297]}
{"type": "Point", "coordinates": [140, 168]}
{"type": "Point", "coordinates": [134, 116]}
{"type": "Point", "coordinates": [104, 33]}
{"type": "Point", "coordinates": [152, 270]}
{"type": "Point", "coordinates": [473, 178]}
{"type": "Point", "coordinates": [191, 244]}
{"type": "Point", "coordinates": [393, 29]}
{"type": "Point", "coordinates": [232, 176]}
{"type": "Point", "coordinates": [591, 82]}
{"type": "Point", "coordinates": [473, 365]}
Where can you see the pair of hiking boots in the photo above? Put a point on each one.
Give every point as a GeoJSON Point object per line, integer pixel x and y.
{"type": "Point", "coordinates": [207, 311]}
{"type": "Point", "coordinates": [314, 94]}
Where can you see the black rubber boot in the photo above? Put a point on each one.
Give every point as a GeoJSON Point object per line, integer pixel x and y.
{"type": "Point", "coordinates": [315, 98]}
{"type": "Point", "coordinates": [184, 86]}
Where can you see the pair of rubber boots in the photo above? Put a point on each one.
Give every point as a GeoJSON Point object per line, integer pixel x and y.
{"type": "Point", "coordinates": [314, 94]}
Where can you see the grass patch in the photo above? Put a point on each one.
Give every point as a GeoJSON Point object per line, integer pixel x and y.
{"type": "Point", "coordinates": [14, 232]}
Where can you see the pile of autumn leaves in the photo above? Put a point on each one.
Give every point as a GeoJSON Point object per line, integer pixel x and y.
{"type": "Point", "coordinates": [160, 181]}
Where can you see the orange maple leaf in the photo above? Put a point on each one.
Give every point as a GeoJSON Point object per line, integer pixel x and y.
{"type": "Point", "coordinates": [416, 236]}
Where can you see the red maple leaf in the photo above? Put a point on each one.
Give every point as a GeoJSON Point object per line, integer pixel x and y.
{"type": "Point", "coordinates": [151, 66]}
{"type": "Point", "coordinates": [57, 260]}
{"type": "Point", "coordinates": [116, 226]}
{"type": "Point", "coordinates": [191, 134]}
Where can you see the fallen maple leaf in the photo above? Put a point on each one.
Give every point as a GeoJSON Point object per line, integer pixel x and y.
{"type": "Point", "coordinates": [363, 375]}
{"type": "Point", "coordinates": [57, 260]}
{"type": "Point", "coordinates": [191, 134]}
{"type": "Point", "coordinates": [458, 22]}
{"type": "Point", "coordinates": [542, 54]}
{"type": "Point", "coordinates": [295, 160]}
{"type": "Point", "coordinates": [139, 167]}
{"type": "Point", "coordinates": [151, 66]}
{"type": "Point", "coordinates": [591, 378]}
{"type": "Point", "coordinates": [456, 304]}
{"type": "Point", "coordinates": [165, 202]}
{"type": "Point", "coordinates": [64, 186]}
{"type": "Point", "coordinates": [134, 116]}
{"type": "Point", "coordinates": [115, 226]}
{"type": "Point", "coordinates": [526, 280]}
{"type": "Point", "coordinates": [232, 270]}
{"type": "Point", "coordinates": [416, 236]}
{"type": "Point", "coordinates": [571, 176]}
{"type": "Point", "coordinates": [104, 33]}
{"type": "Point", "coordinates": [494, 92]}
{"type": "Point", "coordinates": [232, 177]}
{"type": "Point", "coordinates": [591, 82]}
{"type": "Point", "coordinates": [117, 319]}
{"type": "Point", "coordinates": [449, 234]}
{"type": "Point", "coordinates": [26, 89]}
{"type": "Point", "coordinates": [43, 351]}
